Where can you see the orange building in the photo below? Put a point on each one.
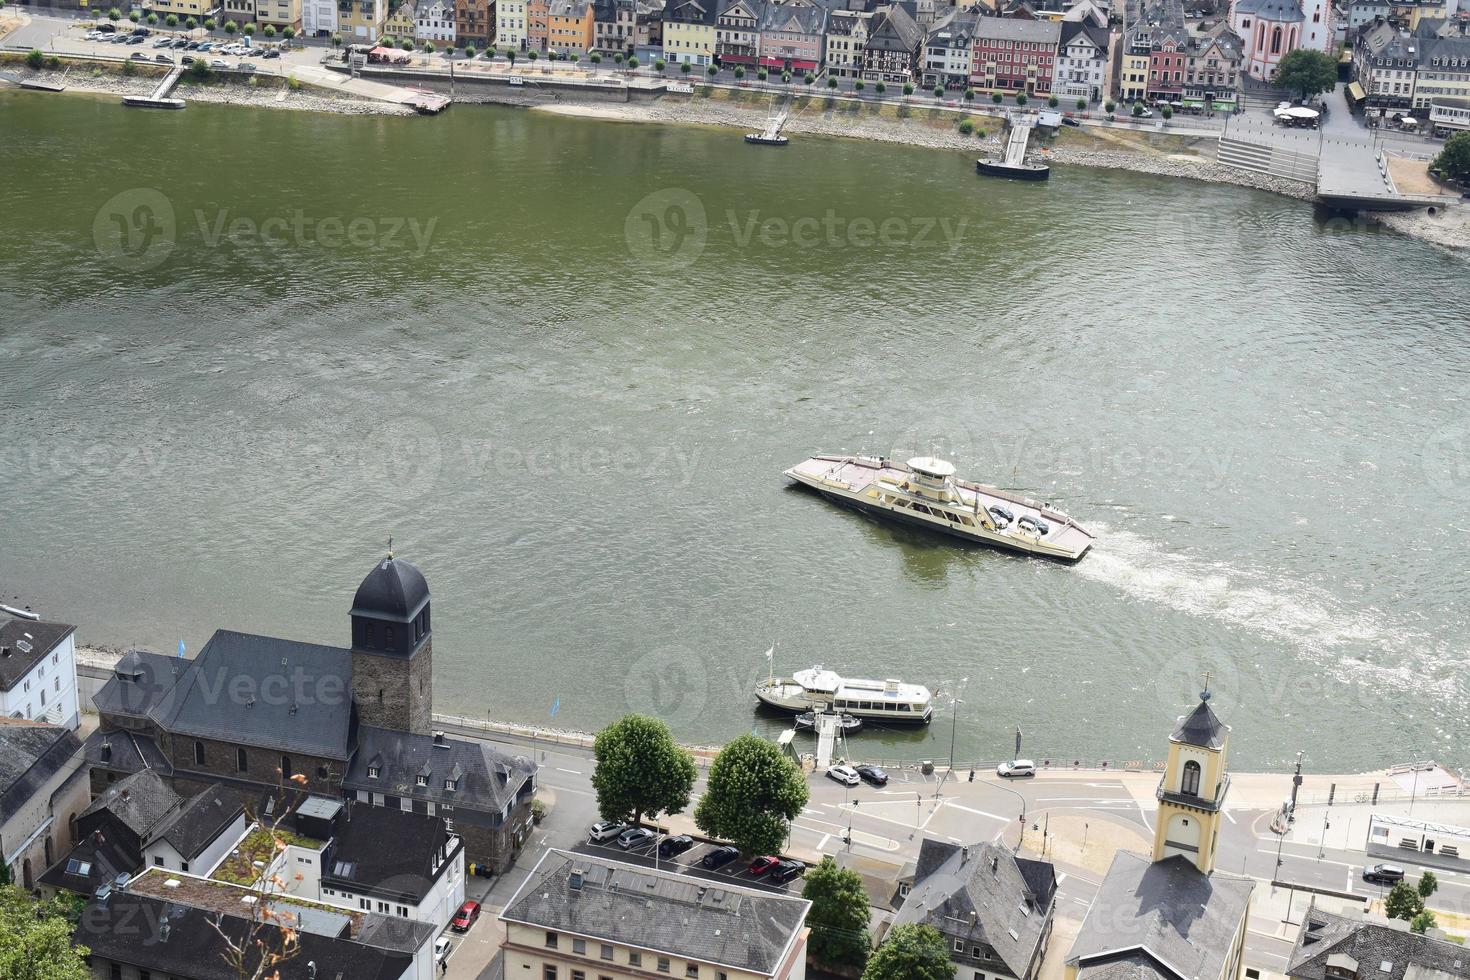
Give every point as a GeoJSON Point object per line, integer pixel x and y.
{"type": "Point", "coordinates": [569, 26]}
{"type": "Point", "coordinates": [537, 12]}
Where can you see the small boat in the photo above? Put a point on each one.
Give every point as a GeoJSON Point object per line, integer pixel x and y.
{"type": "Point", "coordinates": [818, 689]}
{"type": "Point", "coordinates": [924, 492]}
{"type": "Point", "coordinates": [807, 721]}
{"type": "Point", "coordinates": [771, 135]}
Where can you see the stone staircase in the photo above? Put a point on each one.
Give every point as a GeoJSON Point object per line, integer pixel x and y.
{"type": "Point", "coordinates": [1266, 158]}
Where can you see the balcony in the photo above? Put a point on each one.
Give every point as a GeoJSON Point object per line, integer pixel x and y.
{"type": "Point", "coordinates": [1192, 801]}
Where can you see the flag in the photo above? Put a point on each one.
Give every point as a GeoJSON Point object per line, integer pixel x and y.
{"type": "Point", "coordinates": [770, 653]}
{"type": "Point", "coordinates": [555, 707]}
{"type": "Point", "coordinates": [181, 648]}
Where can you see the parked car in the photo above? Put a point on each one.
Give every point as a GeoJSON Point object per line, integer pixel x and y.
{"type": "Point", "coordinates": [442, 948]}
{"type": "Point", "coordinates": [635, 837]}
{"type": "Point", "coordinates": [120, 39]}
{"type": "Point", "coordinates": [94, 35]}
{"type": "Point", "coordinates": [846, 775]}
{"type": "Point", "coordinates": [605, 830]}
{"type": "Point", "coordinates": [140, 56]}
{"type": "Point", "coordinates": [1016, 768]}
{"type": "Point", "coordinates": [1069, 121]}
{"type": "Point", "coordinates": [720, 856]}
{"type": "Point", "coordinates": [163, 42]}
{"type": "Point", "coordinates": [1383, 874]}
{"type": "Point", "coordinates": [163, 59]}
{"type": "Point", "coordinates": [188, 59]}
{"type": "Point", "coordinates": [205, 46]}
{"type": "Point", "coordinates": [106, 29]}
{"type": "Point", "coordinates": [787, 870]}
{"type": "Point", "coordinates": [465, 917]}
{"type": "Point", "coordinates": [137, 39]}
{"type": "Point", "coordinates": [671, 846]}
{"type": "Point", "coordinates": [181, 43]}
{"type": "Point", "coordinates": [141, 32]}
{"type": "Point", "coordinates": [246, 66]}
{"type": "Point", "coordinates": [192, 45]}
{"type": "Point", "coordinates": [218, 63]}
{"type": "Point", "coordinates": [763, 864]}
{"type": "Point", "coordinates": [272, 53]}
{"type": "Point", "coordinates": [873, 774]}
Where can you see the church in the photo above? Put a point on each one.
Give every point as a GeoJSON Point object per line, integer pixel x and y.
{"type": "Point", "coordinates": [1173, 915]}
{"type": "Point", "coordinates": [1271, 29]}
{"type": "Point", "coordinates": [273, 720]}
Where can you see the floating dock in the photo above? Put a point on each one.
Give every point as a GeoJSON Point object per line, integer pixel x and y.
{"type": "Point", "coordinates": [159, 99]}
{"type": "Point", "coordinates": [1012, 162]}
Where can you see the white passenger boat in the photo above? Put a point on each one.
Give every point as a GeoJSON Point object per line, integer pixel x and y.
{"type": "Point", "coordinates": [924, 492]}
{"type": "Point", "coordinates": [817, 689]}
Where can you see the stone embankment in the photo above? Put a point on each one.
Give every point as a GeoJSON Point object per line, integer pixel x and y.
{"type": "Point", "coordinates": [267, 93]}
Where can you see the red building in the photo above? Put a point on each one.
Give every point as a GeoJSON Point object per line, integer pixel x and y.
{"type": "Point", "coordinates": [1166, 64]}
{"type": "Point", "coordinates": [1013, 55]}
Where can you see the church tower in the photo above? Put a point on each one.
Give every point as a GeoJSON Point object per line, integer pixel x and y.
{"type": "Point", "coordinates": [393, 648]}
{"type": "Point", "coordinates": [1192, 793]}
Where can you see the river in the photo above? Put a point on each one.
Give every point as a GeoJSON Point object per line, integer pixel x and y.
{"type": "Point", "coordinates": [563, 363]}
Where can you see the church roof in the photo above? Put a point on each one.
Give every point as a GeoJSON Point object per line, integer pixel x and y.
{"type": "Point", "coordinates": [394, 590]}
{"type": "Point", "coordinates": [1285, 11]}
{"type": "Point", "coordinates": [1201, 727]}
{"type": "Point", "coordinates": [1163, 918]}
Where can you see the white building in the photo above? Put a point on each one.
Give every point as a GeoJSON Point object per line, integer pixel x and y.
{"type": "Point", "coordinates": [377, 859]}
{"type": "Point", "coordinates": [434, 21]}
{"type": "Point", "coordinates": [38, 671]}
{"type": "Point", "coordinates": [1271, 29]}
{"type": "Point", "coordinates": [510, 24]}
{"type": "Point", "coordinates": [319, 17]}
{"type": "Point", "coordinates": [1081, 70]}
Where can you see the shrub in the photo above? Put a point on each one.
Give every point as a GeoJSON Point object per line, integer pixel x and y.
{"type": "Point", "coordinates": [231, 27]}
{"type": "Point", "coordinates": [939, 91]}
{"type": "Point", "coordinates": [969, 95]}
{"type": "Point", "coordinates": [406, 44]}
{"type": "Point", "coordinates": [130, 68]}
{"type": "Point", "coordinates": [995, 97]}
{"type": "Point", "coordinates": [36, 58]}
{"type": "Point", "coordinates": [114, 15]}
{"type": "Point", "coordinates": [200, 72]}
{"type": "Point", "coordinates": [1138, 108]}
{"type": "Point", "coordinates": [966, 127]}
{"type": "Point", "coordinates": [294, 84]}
{"type": "Point", "coordinates": [632, 63]}
{"type": "Point", "coordinates": [1052, 101]}
{"type": "Point", "coordinates": [1109, 106]}
{"type": "Point", "coordinates": [53, 62]}
{"type": "Point", "coordinates": [908, 88]}
{"type": "Point", "coordinates": [1020, 98]}
{"type": "Point", "coordinates": [980, 133]}
{"type": "Point", "coordinates": [172, 20]}
{"type": "Point", "coordinates": [739, 72]}
{"type": "Point", "coordinates": [152, 18]}
{"type": "Point", "coordinates": [249, 30]}
{"type": "Point", "coordinates": [859, 85]}
{"type": "Point", "coordinates": [253, 82]}
{"type": "Point", "coordinates": [1081, 104]}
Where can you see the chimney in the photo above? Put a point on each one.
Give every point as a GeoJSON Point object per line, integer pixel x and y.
{"type": "Point", "coordinates": [311, 970]}
{"type": "Point", "coordinates": [125, 793]}
{"type": "Point", "coordinates": [106, 750]}
{"type": "Point", "coordinates": [4, 651]}
{"type": "Point", "coordinates": [440, 741]}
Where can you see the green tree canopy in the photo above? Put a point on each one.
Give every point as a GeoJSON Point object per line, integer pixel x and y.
{"type": "Point", "coordinates": [35, 940]}
{"type": "Point", "coordinates": [1422, 922]}
{"type": "Point", "coordinates": [754, 792]}
{"type": "Point", "coordinates": [640, 770]}
{"type": "Point", "coordinates": [911, 952]}
{"type": "Point", "coordinates": [839, 914]}
{"type": "Point", "coordinates": [1428, 884]}
{"type": "Point", "coordinates": [1307, 72]}
{"type": "Point", "coordinates": [1403, 902]}
{"type": "Point", "coordinates": [1454, 160]}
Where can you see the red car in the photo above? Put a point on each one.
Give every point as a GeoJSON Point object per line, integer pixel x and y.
{"type": "Point", "coordinates": [761, 865]}
{"type": "Point", "coordinates": [465, 917]}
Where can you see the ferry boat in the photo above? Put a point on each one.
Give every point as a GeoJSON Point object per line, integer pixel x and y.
{"type": "Point", "coordinates": [818, 689]}
{"type": "Point", "coordinates": [924, 492]}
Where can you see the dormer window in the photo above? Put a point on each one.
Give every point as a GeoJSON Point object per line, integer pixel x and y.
{"type": "Point", "coordinates": [374, 772]}
{"type": "Point", "coordinates": [421, 780]}
{"type": "Point", "coordinates": [451, 785]}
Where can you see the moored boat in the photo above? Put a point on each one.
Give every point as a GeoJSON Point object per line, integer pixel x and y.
{"type": "Point", "coordinates": [807, 721]}
{"type": "Point", "coordinates": [924, 492]}
{"type": "Point", "coordinates": [818, 689]}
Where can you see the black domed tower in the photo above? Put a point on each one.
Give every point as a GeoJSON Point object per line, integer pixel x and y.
{"type": "Point", "coordinates": [393, 648]}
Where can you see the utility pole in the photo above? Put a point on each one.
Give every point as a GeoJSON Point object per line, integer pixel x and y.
{"type": "Point", "coordinates": [954, 715]}
{"type": "Point", "coordinates": [1296, 782]}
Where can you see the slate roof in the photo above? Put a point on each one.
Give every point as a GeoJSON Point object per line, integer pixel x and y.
{"type": "Point", "coordinates": [1283, 11]}
{"type": "Point", "coordinates": [243, 688]}
{"type": "Point", "coordinates": [692, 12]}
{"type": "Point", "coordinates": [1125, 966]}
{"type": "Point", "coordinates": [794, 18]}
{"type": "Point", "coordinates": [895, 30]}
{"type": "Point", "coordinates": [1454, 49]}
{"type": "Point", "coordinates": [394, 932]}
{"type": "Point", "coordinates": [30, 754]}
{"type": "Point", "coordinates": [139, 681]}
{"type": "Point", "coordinates": [25, 643]}
{"type": "Point", "coordinates": [1015, 29]}
{"type": "Point", "coordinates": [1372, 943]}
{"type": "Point", "coordinates": [1201, 727]}
{"type": "Point", "coordinates": [130, 752]}
{"type": "Point", "coordinates": [487, 780]}
{"type": "Point", "coordinates": [142, 802]}
{"type": "Point", "coordinates": [200, 821]}
{"type": "Point", "coordinates": [380, 849]}
{"type": "Point", "coordinates": [192, 948]}
{"type": "Point", "coordinates": [689, 918]}
{"type": "Point", "coordinates": [983, 895]}
{"type": "Point", "coordinates": [103, 860]}
{"type": "Point", "coordinates": [1098, 36]}
{"type": "Point", "coordinates": [1182, 920]}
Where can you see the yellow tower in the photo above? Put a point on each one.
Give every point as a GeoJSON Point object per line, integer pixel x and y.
{"type": "Point", "coordinates": [1192, 792]}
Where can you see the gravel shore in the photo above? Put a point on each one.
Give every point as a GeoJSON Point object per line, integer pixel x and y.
{"type": "Point", "coordinates": [267, 95]}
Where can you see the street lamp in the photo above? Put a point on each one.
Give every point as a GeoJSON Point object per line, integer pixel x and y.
{"type": "Point", "coordinates": [954, 715]}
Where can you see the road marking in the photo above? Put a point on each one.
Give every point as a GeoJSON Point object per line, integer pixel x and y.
{"type": "Point", "coordinates": [574, 772]}
{"type": "Point", "coordinates": [1229, 817]}
{"type": "Point", "coordinates": [955, 839]}
{"type": "Point", "coordinates": [822, 844]}
{"type": "Point", "coordinates": [983, 813]}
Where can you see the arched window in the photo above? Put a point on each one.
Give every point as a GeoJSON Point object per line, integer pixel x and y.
{"type": "Point", "coordinates": [241, 765]}
{"type": "Point", "coordinates": [1190, 783]}
{"type": "Point", "coordinates": [198, 753]}
{"type": "Point", "coordinates": [1276, 40]}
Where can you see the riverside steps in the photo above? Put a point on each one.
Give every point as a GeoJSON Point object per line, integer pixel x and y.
{"type": "Point", "coordinates": [159, 98]}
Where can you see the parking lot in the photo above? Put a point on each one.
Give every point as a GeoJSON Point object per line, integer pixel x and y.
{"type": "Point", "coordinates": [736, 872]}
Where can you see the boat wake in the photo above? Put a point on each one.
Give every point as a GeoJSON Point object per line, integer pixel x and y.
{"type": "Point", "coordinates": [1351, 642]}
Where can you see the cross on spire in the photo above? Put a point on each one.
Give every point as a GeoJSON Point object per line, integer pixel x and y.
{"type": "Point", "coordinates": [390, 555]}
{"type": "Point", "coordinates": [1205, 694]}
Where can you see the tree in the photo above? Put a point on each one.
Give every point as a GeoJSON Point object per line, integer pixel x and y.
{"type": "Point", "coordinates": [1081, 104]}
{"type": "Point", "coordinates": [35, 939]}
{"type": "Point", "coordinates": [1403, 902]}
{"type": "Point", "coordinates": [1454, 160]}
{"type": "Point", "coordinates": [839, 914]}
{"type": "Point", "coordinates": [152, 18]}
{"type": "Point", "coordinates": [995, 97]}
{"type": "Point", "coordinates": [428, 47]}
{"type": "Point", "coordinates": [880, 87]}
{"type": "Point", "coordinates": [859, 85]}
{"type": "Point", "coordinates": [659, 65]}
{"type": "Point", "coordinates": [270, 30]}
{"type": "Point", "coordinates": [134, 16]}
{"type": "Point", "coordinates": [1020, 98]}
{"type": "Point", "coordinates": [1109, 106]}
{"type": "Point", "coordinates": [114, 15]}
{"type": "Point", "coordinates": [1051, 100]}
{"type": "Point", "coordinates": [406, 44]}
{"type": "Point", "coordinates": [510, 55]}
{"type": "Point", "coordinates": [618, 57]}
{"type": "Point", "coordinates": [939, 91]}
{"type": "Point", "coordinates": [231, 27]}
{"type": "Point", "coordinates": [531, 55]}
{"type": "Point", "coordinates": [762, 74]}
{"type": "Point", "coordinates": [911, 952]}
{"type": "Point", "coordinates": [1167, 112]}
{"type": "Point", "coordinates": [1138, 108]}
{"type": "Point", "coordinates": [1422, 922]}
{"type": "Point", "coordinates": [288, 32]}
{"type": "Point", "coordinates": [712, 71]}
{"type": "Point", "coordinates": [786, 77]}
{"type": "Point", "coordinates": [739, 72]}
{"type": "Point", "coordinates": [640, 770]}
{"type": "Point", "coordinates": [172, 20]}
{"type": "Point", "coordinates": [808, 78]}
{"type": "Point", "coordinates": [36, 58]}
{"type": "Point", "coordinates": [1428, 885]}
{"type": "Point", "coordinates": [191, 23]}
{"type": "Point", "coordinates": [1307, 72]}
{"type": "Point", "coordinates": [754, 792]}
{"type": "Point", "coordinates": [685, 67]}
{"type": "Point", "coordinates": [908, 88]}
{"type": "Point", "coordinates": [596, 58]}
{"type": "Point", "coordinates": [249, 30]}
{"type": "Point", "coordinates": [832, 81]}
{"type": "Point", "coordinates": [632, 64]}
{"type": "Point", "coordinates": [969, 95]}
{"type": "Point", "coordinates": [209, 23]}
